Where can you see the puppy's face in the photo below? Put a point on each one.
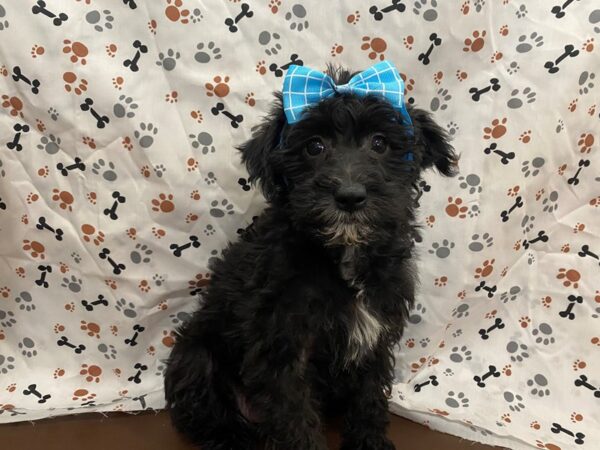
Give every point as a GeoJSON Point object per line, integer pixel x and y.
{"type": "Point", "coordinates": [346, 171]}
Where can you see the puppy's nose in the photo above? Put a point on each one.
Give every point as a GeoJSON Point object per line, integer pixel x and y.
{"type": "Point", "coordinates": [351, 197]}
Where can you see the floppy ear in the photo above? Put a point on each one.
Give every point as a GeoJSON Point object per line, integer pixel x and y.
{"type": "Point", "coordinates": [257, 153]}
{"type": "Point", "coordinates": [434, 143]}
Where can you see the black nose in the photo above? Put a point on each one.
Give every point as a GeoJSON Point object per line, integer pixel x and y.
{"type": "Point", "coordinates": [351, 196]}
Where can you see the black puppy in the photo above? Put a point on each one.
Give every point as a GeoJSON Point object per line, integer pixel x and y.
{"type": "Point", "coordinates": [302, 314]}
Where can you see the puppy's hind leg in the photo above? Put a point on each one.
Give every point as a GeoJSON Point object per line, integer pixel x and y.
{"type": "Point", "coordinates": [200, 405]}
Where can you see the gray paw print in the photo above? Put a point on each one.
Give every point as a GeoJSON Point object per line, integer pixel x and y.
{"type": "Point", "coordinates": [516, 100]}
{"type": "Point", "coordinates": [560, 126]}
{"type": "Point", "coordinates": [586, 82]}
{"type": "Point", "coordinates": [550, 203]}
{"type": "Point", "coordinates": [209, 230]}
{"type": "Point", "coordinates": [196, 15]}
{"type": "Point", "coordinates": [210, 178]}
{"type": "Point", "coordinates": [518, 352]}
{"type": "Point", "coordinates": [27, 347]}
{"type": "Point", "coordinates": [543, 334]}
{"type": "Point", "coordinates": [128, 309]}
{"type": "Point", "coordinates": [100, 20]}
{"type": "Point", "coordinates": [461, 354]}
{"type": "Point", "coordinates": [158, 279]}
{"type": "Point", "coordinates": [452, 128]}
{"type": "Point", "coordinates": [25, 301]}
{"type": "Point", "coordinates": [527, 223]}
{"type": "Point", "coordinates": [521, 12]}
{"type": "Point", "coordinates": [108, 351]}
{"type": "Point", "coordinates": [159, 170]}
{"type": "Point", "coordinates": [457, 333]}
{"type": "Point", "coordinates": [457, 400]}
{"type": "Point", "coordinates": [141, 254]}
{"type": "Point", "coordinates": [4, 24]}
{"type": "Point", "coordinates": [442, 250]}
{"type": "Point", "coordinates": [510, 295]}
{"type": "Point", "coordinates": [513, 68]}
{"type": "Point", "coordinates": [76, 257]}
{"type": "Point", "coordinates": [474, 211]}
{"type": "Point", "coordinates": [296, 18]}
{"type": "Point", "coordinates": [203, 141]}
{"type": "Point", "coordinates": [145, 135]}
{"type": "Point", "coordinates": [478, 243]}
{"type": "Point", "coordinates": [73, 284]}
{"type": "Point", "coordinates": [440, 101]}
{"type": "Point", "coordinates": [270, 41]}
{"type": "Point", "coordinates": [218, 212]}
{"type": "Point", "coordinates": [479, 5]}
{"type": "Point", "coordinates": [415, 316]}
{"type": "Point", "coordinates": [7, 318]}
{"type": "Point", "coordinates": [214, 257]}
{"type": "Point", "coordinates": [424, 342]}
{"type": "Point", "coordinates": [594, 18]}
{"type": "Point", "coordinates": [180, 318]}
{"type": "Point", "coordinates": [530, 258]}
{"type": "Point", "coordinates": [107, 170]}
{"type": "Point", "coordinates": [6, 363]}
{"type": "Point", "coordinates": [161, 370]}
{"type": "Point", "coordinates": [428, 9]}
{"type": "Point", "coordinates": [207, 52]}
{"type": "Point", "coordinates": [514, 401]}
{"type": "Point", "coordinates": [448, 372]}
{"type": "Point", "coordinates": [124, 107]}
{"type": "Point", "coordinates": [526, 44]}
{"type": "Point", "coordinates": [538, 385]}
{"type": "Point", "coordinates": [50, 144]}
{"type": "Point", "coordinates": [53, 114]}
{"type": "Point", "coordinates": [460, 311]}
{"type": "Point", "coordinates": [2, 171]}
{"type": "Point", "coordinates": [168, 61]}
{"type": "Point", "coordinates": [472, 182]}
{"type": "Point", "coordinates": [532, 167]}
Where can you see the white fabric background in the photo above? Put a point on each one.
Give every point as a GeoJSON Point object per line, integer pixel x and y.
{"type": "Point", "coordinates": [162, 140]}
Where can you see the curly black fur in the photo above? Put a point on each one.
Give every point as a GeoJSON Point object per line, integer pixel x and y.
{"type": "Point", "coordinates": [302, 314]}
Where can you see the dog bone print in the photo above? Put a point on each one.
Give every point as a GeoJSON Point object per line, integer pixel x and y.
{"type": "Point", "coordinates": [43, 225]}
{"type": "Point", "coordinates": [64, 341]}
{"type": "Point", "coordinates": [133, 62]}
{"type": "Point", "coordinates": [585, 251]}
{"type": "Point", "coordinates": [574, 180]}
{"type": "Point", "coordinates": [278, 70]}
{"type": "Point", "coordinates": [89, 306]}
{"type": "Point", "coordinates": [40, 8]}
{"type": "Point", "coordinates": [506, 214]}
{"type": "Point", "coordinates": [559, 10]}
{"type": "Point", "coordinates": [101, 121]}
{"type": "Point", "coordinates": [32, 390]}
{"type": "Point", "coordinates": [583, 381]}
{"type": "Point", "coordinates": [492, 372]}
{"type": "Point", "coordinates": [435, 42]}
{"type": "Point", "coordinates": [117, 267]}
{"type": "Point", "coordinates": [568, 312]}
{"type": "Point", "coordinates": [570, 51]}
{"type": "Point", "coordinates": [219, 108]}
{"type": "Point", "coordinates": [245, 12]}
{"type": "Point", "coordinates": [432, 380]}
{"type": "Point", "coordinates": [44, 270]}
{"type": "Point", "coordinates": [505, 157]}
{"type": "Point", "coordinates": [77, 164]}
{"type": "Point", "coordinates": [137, 330]}
{"type": "Point", "coordinates": [542, 236]}
{"type": "Point", "coordinates": [377, 13]}
{"type": "Point", "coordinates": [178, 249]}
{"type": "Point", "coordinates": [485, 333]}
{"type": "Point", "coordinates": [491, 290]}
{"type": "Point", "coordinates": [112, 211]}
{"type": "Point", "coordinates": [579, 437]}
{"type": "Point", "coordinates": [18, 76]}
{"type": "Point", "coordinates": [140, 368]}
{"type": "Point", "coordinates": [477, 92]}
{"type": "Point", "coordinates": [15, 144]}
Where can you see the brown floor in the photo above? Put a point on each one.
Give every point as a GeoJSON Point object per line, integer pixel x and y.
{"type": "Point", "coordinates": [150, 431]}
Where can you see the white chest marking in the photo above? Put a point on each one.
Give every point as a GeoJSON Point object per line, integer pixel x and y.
{"type": "Point", "coordinates": [364, 332]}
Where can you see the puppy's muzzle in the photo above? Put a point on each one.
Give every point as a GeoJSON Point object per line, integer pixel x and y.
{"type": "Point", "coordinates": [351, 197]}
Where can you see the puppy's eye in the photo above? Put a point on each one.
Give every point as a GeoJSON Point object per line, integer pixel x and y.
{"type": "Point", "coordinates": [378, 144]}
{"type": "Point", "coordinates": [315, 147]}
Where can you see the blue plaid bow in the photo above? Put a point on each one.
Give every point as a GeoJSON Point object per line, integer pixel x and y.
{"type": "Point", "coordinates": [303, 87]}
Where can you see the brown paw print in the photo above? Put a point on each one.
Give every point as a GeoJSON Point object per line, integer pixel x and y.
{"type": "Point", "coordinates": [58, 373]}
{"type": "Point", "coordinates": [506, 418]}
{"type": "Point", "coordinates": [539, 194]}
{"type": "Point", "coordinates": [466, 7]}
{"type": "Point", "coordinates": [441, 281]}
{"type": "Point", "coordinates": [20, 271]}
{"type": "Point", "coordinates": [36, 249]}
{"type": "Point", "coordinates": [414, 367]}
{"type": "Point", "coordinates": [491, 314]}
{"type": "Point", "coordinates": [513, 191]}
{"type": "Point", "coordinates": [525, 137]}
{"type": "Point", "coordinates": [595, 341]}
{"type": "Point", "coordinates": [64, 198]}
{"type": "Point", "coordinates": [59, 328]}
{"type": "Point", "coordinates": [588, 45]}
{"type": "Point", "coordinates": [114, 330]}
{"type": "Point", "coordinates": [200, 281]}
{"type": "Point", "coordinates": [578, 228]}
{"type": "Point", "coordinates": [151, 350]}
{"type": "Point", "coordinates": [573, 105]}
{"type": "Point", "coordinates": [429, 221]}
{"type": "Point", "coordinates": [496, 130]}
{"type": "Point", "coordinates": [220, 88]}
{"type": "Point", "coordinates": [91, 373]}
{"type": "Point", "coordinates": [261, 67]}
{"type": "Point", "coordinates": [571, 277]}
{"type": "Point", "coordinates": [410, 343]}
{"type": "Point", "coordinates": [408, 41]}
{"type": "Point", "coordinates": [91, 197]}
{"type": "Point", "coordinates": [171, 97]}
{"type": "Point", "coordinates": [585, 142]}
{"type": "Point", "coordinates": [546, 301]}
{"type": "Point", "coordinates": [496, 56]}
{"type": "Point", "coordinates": [32, 197]}
{"type": "Point", "coordinates": [192, 164]}
{"type": "Point", "coordinates": [507, 370]}
{"type": "Point", "coordinates": [336, 49]}
{"type": "Point", "coordinates": [37, 50]}
{"type": "Point", "coordinates": [486, 269]}
{"type": "Point", "coordinates": [70, 307]}
{"type": "Point", "coordinates": [579, 365]}
{"type": "Point", "coordinates": [576, 417]}
{"type": "Point", "coordinates": [90, 234]}
{"type": "Point", "coordinates": [535, 425]}
{"type": "Point", "coordinates": [111, 283]}
{"type": "Point", "coordinates": [131, 233]}
{"type": "Point", "coordinates": [353, 18]}
{"type": "Point", "coordinates": [454, 208]}
{"type": "Point", "coordinates": [462, 294]}
{"type": "Point", "coordinates": [249, 99]}
{"type": "Point", "coordinates": [78, 51]}
{"type": "Point", "coordinates": [375, 47]}
{"type": "Point", "coordinates": [504, 271]}
{"type": "Point", "coordinates": [195, 195]}
{"type": "Point", "coordinates": [152, 26]}
{"type": "Point", "coordinates": [4, 291]}
{"type": "Point", "coordinates": [197, 116]}
{"type": "Point", "coordinates": [158, 233]}
{"type": "Point", "coordinates": [144, 286]}
{"type": "Point", "coordinates": [40, 125]}
{"type": "Point", "coordinates": [595, 201]}
{"type": "Point", "coordinates": [175, 13]}
{"type": "Point", "coordinates": [524, 321]}
{"type": "Point", "coordinates": [544, 446]}
{"type": "Point", "coordinates": [92, 329]}
{"type": "Point", "coordinates": [25, 219]}
{"type": "Point", "coordinates": [83, 395]}
{"type": "Point", "coordinates": [592, 110]}
{"type": "Point", "coordinates": [168, 339]}
{"type": "Point", "coordinates": [437, 77]}
{"type": "Point", "coordinates": [127, 144]}
{"type": "Point", "coordinates": [164, 203]}
{"type": "Point", "coordinates": [145, 171]}
{"type": "Point", "coordinates": [11, 387]}
{"type": "Point", "coordinates": [14, 105]}
{"type": "Point", "coordinates": [274, 6]}
{"type": "Point", "coordinates": [503, 30]}
{"type": "Point", "coordinates": [111, 50]}
{"type": "Point", "coordinates": [89, 142]}
{"type": "Point", "coordinates": [475, 42]}
{"type": "Point", "coordinates": [162, 306]}
{"type": "Point", "coordinates": [118, 82]}
{"type": "Point", "coordinates": [191, 217]}
{"type": "Point", "coordinates": [461, 75]}
{"type": "Point", "coordinates": [72, 85]}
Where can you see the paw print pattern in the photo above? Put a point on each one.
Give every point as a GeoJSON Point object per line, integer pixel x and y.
{"type": "Point", "coordinates": [480, 242]}
{"type": "Point", "coordinates": [125, 107]}
{"type": "Point", "coordinates": [457, 400]}
{"type": "Point", "coordinates": [127, 308]}
{"type": "Point", "coordinates": [27, 347]}
{"type": "Point", "coordinates": [442, 250]}
{"type": "Point", "coordinates": [586, 82]}
{"type": "Point", "coordinates": [538, 385]}
{"type": "Point", "coordinates": [207, 52]}
{"type": "Point", "coordinates": [108, 351]}
{"type": "Point", "coordinates": [518, 99]}
{"type": "Point", "coordinates": [518, 351]}
{"type": "Point", "coordinates": [511, 295]}
{"type": "Point", "coordinates": [416, 314]}
{"type": "Point", "coordinates": [168, 60]}
{"type": "Point", "coordinates": [270, 41]}
{"type": "Point", "coordinates": [532, 168]}
{"type": "Point", "coordinates": [297, 18]}
{"type": "Point", "coordinates": [24, 300]}
{"type": "Point", "coordinates": [515, 401]}
{"type": "Point", "coordinates": [73, 284]}
{"type": "Point", "coordinates": [180, 318]}
{"type": "Point", "coordinates": [472, 183]}
{"type": "Point", "coordinates": [140, 254]}
{"type": "Point", "coordinates": [543, 334]}
{"type": "Point", "coordinates": [203, 141]}
{"type": "Point", "coordinates": [101, 20]}
{"type": "Point", "coordinates": [6, 364]}
{"type": "Point", "coordinates": [145, 135]}
{"type": "Point", "coordinates": [528, 43]}
{"type": "Point", "coordinates": [440, 101]}
{"type": "Point", "coordinates": [460, 354]}
{"type": "Point", "coordinates": [461, 311]}
{"type": "Point", "coordinates": [426, 8]}
{"type": "Point", "coordinates": [7, 318]}
{"type": "Point", "coordinates": [219, 210]}
{"type": "Point", "coordinates": [50, 144]}
{"type": "Point", "coordinates": [106, 169]}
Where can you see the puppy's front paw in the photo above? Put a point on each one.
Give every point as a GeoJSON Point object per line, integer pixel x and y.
{"type": "Point", "coordinates": [374, 442]}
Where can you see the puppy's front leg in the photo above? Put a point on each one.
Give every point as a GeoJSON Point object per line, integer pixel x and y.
{"type": "Point", "coordinates": [366, 418]}
{"type": "Point", "coordinates": [275, 386]}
